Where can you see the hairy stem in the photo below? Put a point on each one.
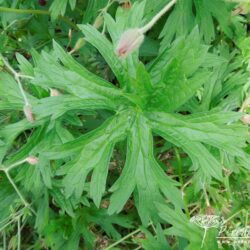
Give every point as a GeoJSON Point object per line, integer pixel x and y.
{"type": "Point", "coordinates": [204, 237]}
{"type": "Point", "coordinates": [17, 78]}
{"type": "Point", "coordinates": [150, 24]}
{"type": "Point", "coordinates": [26, 204]}
{"type": "Point", "coordinates": [14, 165]}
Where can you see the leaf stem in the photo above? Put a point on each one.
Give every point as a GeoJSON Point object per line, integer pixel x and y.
{"type": "Point", "coordinates": [184, 186]}
{"type": "Point", "coordinates": [150, 24]}
{"type": "Point", "coordinates": [26, 204]}
{"type": "Point", "coordinates": [18, 213]}
{"type": "Point", "coordinates": [232, 216]}
{"type": "Point", "coordinates": [138, 248]}
{"type": "Point", "coordinates": [19, 233]}
{"type": "Point", "coordinates": [6, 171]}
{"type": "Point", "coordinates": [37, 12]}
{"type": "Point", "coordinates": [206, 196]}
{"type": "Point", "coordinates": [179, 165]}
{"type": "Point", "coordinates": [69, 22]}
{"type": "Point", "coordinates": [122, 239]}
{"type": "Point", "coordinates": [153, 227]}
{"type": "Point", "coordinates": [4, 241]}
{"type": "Point", "coordinates": [8, 26]}
{"type": "Point", "coordinates": [17, 78]}
{"type": "Point", "coordinates": [24, 11]}
{"type": "Point", "coordinates": [204, 237]}
{"type": "Point", "coordinates": [15, 165]}
{"type": "Point", "coordinates": [11, 219]}
{"type": "Point", "coordinates": [7, 224]}
{"type": "Point", "coordinates": [25, 76]}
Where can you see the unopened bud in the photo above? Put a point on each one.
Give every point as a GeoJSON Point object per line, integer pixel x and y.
{"type": "Point", "coordinates": [79, 44]}
{"type": "Point", "coordinates": [32, 160]}
{"type": "Point", "coordinates": [245, 119]}
{"type": "Point", "coordinates": [210, 210]}
{"type": "Point", "coordinates": [242, 8]}
{"type": "Point", "coordinates": [28, 113]}
{"type": "Point", "coordinates": [126, 5]}
{"type": "Point", "coordinates": [245, 104]}
{"type": "Point", "coordinates": [54, 92]}
{"type": "Point", "coordinates": [133, 38]}
{"type": "Point", "coordinates": [245, 8]}
{"type": "Point", "coordinates": [227, 171]}
{"type": "Point", "coordinates": [70, 34]}
{"type": "Point", "coordinates": [130, 41]}
{"type": "Point", "coordinates": [98, 22]}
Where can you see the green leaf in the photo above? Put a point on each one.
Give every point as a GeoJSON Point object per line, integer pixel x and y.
{"type": "Point", "coordinates": [58, 7]}
{"type": "Point", "coordinates": [95, 152]}
{"type": "Point", "coordinates": [14, 99]}
{"type": "Point", "coordinates": [92, 10]}
{"type": "Point", "coordinates": [56, 106]}
{"type": "Point", "coordinates": [230, 138]}
{"type": "Point", "coordinates": [24, 65]}
{"type": "Point", "coordinates": [125, 20]}
{"type": "Point", "coordinates": [188, 13]}
{"type": "Point", "coordinates": [191, 134]}
{"type": "Point", "coordinates": [142, 174]}
{"type": "Point", "coordinates": [158, 241]}
{"type": "Point", "coordinates": [42, 218]}
{"type": "Point", "coordinates": [8, 198]}
{"type": "Point", "coordinates": [180, 21]}
{"type": "Point", "coordinates": [181, 226]}
{"type": "Point", "coordinates": [108, 222]}
{"type": "Point", "coordinates": [50, 73]}
{"type": "Point", "coordinates": [107, 50]}
{"type": "Point", "coordinates": [178, 73]}
{"type": "Point", "coordinates": [202, 159]}
{"type": "Point", "coordinates": [165, 97]}
{"type": "Point", "coordinates": [37, 135]}
{"type": "Point", "coordinates": [70, 63]}
{"type": "Point", "coordinates": [45, 170]}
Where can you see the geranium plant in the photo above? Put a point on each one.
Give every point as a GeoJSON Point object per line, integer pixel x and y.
{"type": "Point", "coordinates": [106, 125]}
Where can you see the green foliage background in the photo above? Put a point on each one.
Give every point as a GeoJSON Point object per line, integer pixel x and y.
{"type": "Point", "coordinates": [128, 149]}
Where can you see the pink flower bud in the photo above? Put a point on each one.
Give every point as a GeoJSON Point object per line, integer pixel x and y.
{"type": "Point", "coordinates": [54, 92]}
{"type": "Point", "coordinates": [127, 5]}
{"type": "Point", "coordinates": [32, 160]}
{"type": "Point", "coordinates": [28, 113]}
{"type": "Point", "coordinates": [130, 41]}
{"type": "Point", "coordinates": [245, 119]}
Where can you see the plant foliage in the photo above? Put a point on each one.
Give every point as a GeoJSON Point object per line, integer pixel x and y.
{"type": "Point", "coordinates": [117, 140]}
